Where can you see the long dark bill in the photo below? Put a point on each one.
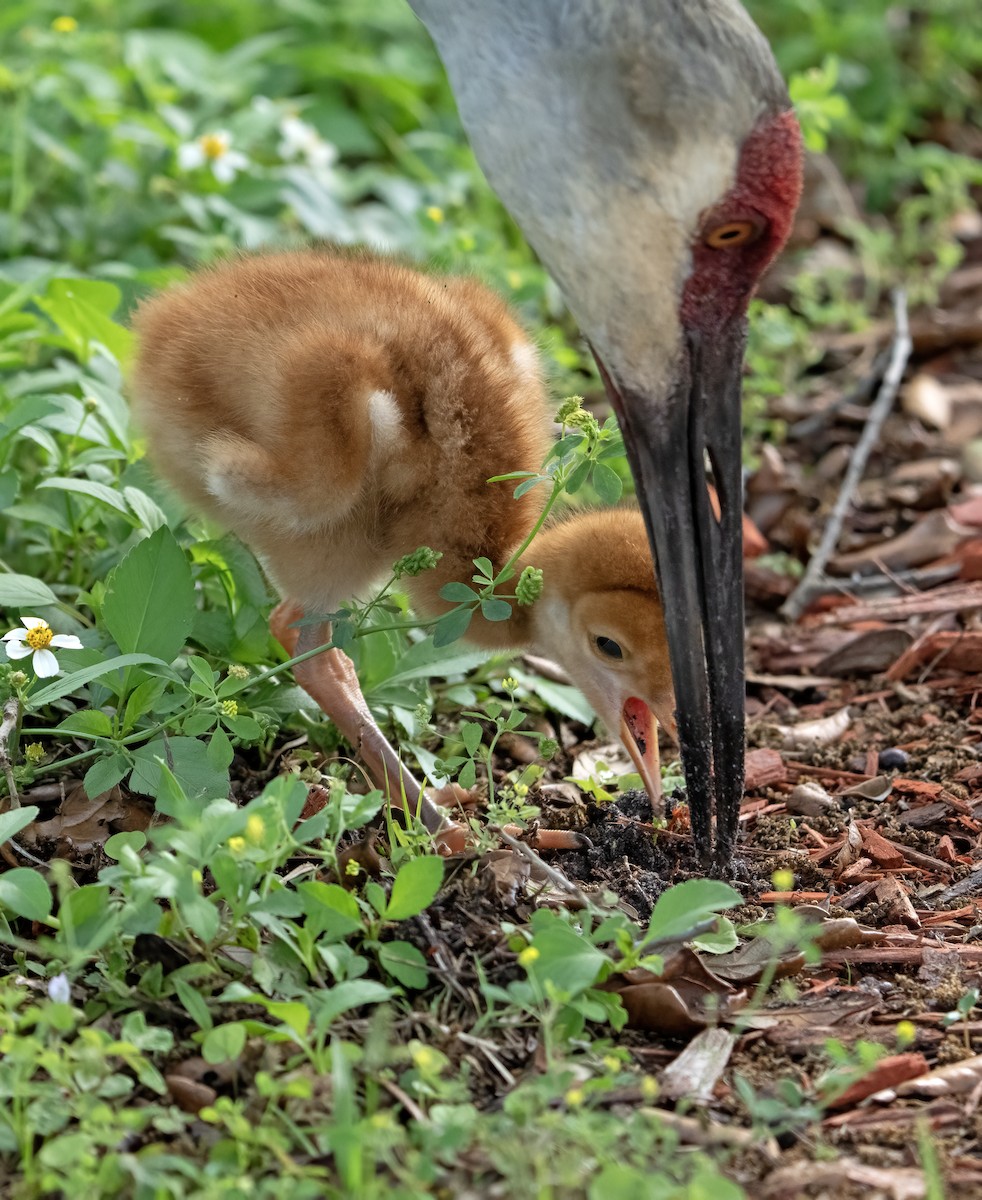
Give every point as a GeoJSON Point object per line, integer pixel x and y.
{"type": "Point", "coordinates": [670, 445]}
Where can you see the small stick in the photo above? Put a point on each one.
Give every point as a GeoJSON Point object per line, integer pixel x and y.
{"type": "Point", "coordinates": [11, 716]}
{"type": "Point", "coordinates": [881, 406]}
{"type": "Point", "coordinates": [554, 876]}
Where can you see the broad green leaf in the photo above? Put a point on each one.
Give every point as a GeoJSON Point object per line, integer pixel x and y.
{"type": "Point", "coordinates": [85, 918]}
{"type": "Point", "coordinates": [456, 592]}
{"type": "Point", "coordinates": [687, 904]}
{"type": "Point", "coordinates": [416, 884]}
{"type": "Point", "coordinates": [86, 487]}
{"type": "Point", "coordinates": [117, 844]}
{"type": "Point", "coordinates": [15, 819]}
{"type": "Point", "coordinates": [224, 1042]}
{"type": "Point", "coordinates": [451, 626]}
{"type": "Point", "coordinates": [149, 602]}
{"type": "Point", "coordinates": [25, 893]}
{"type": "Point", "coordinates": [291, 1013]}
{"type": "Point", "coordinates": [607, 484]}
{"type": "Point", "coordinates": [71, 683]}
{"type": "Point", "coordinates": [330, 909]}
{"type": "Point", "coordinates": [342, 997]}
{"type": "Point", "coordinates": [194, 1003]}
{"type": "Point", "coordinates": [578, 476]}
{"type": "Point", "coordinates": [471, 734]}
{"type": "Point", "coordinates": [494, 609]}
{"type": "Point", "coordinates": [187, 758]}
{"type": "Point", "coordinates": [24, 591]}
{"type": "Point", "coordinates": [105, 773]}
{"type": "Point", "coordinates": [404, 962]}
{"type": "Point", "coordinates": [90, 722]}
{"type": "Point", "coordinates": [566, 959]}
{"type": "Point", "coordinates": [82, 308]}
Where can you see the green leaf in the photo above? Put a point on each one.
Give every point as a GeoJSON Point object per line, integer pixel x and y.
{"type": "Point", "coordinates": [116, 844]}
{"type": "Point", "coordinates": [607, 484]}
{"type": "Point", "coordinates": [82, 309]}
{"type": "Point", "coordinates": [578, 476]}
{"type": "Point", "coordinates": [194, 1003]}
{"type": "Point", "coordinates": [86, 487]}
{"type": "Point", "coordinates": [416, 884]}
{"type": "Point", "coordinates": [329, 909]}
{"type": "Point", "coordinates": [494, 609]}
{"type": "Point", "coordinates": [457, 592]}
{"type": "Point", "coordinates": [85, 918]}
{"type": "Point", "coordinates": [291, 1013]}
{"type": "Point", "coordinates": [71, 683]}
{"type": "Point", "coordinates": [404, 962]}
{"type": "Point", "coordinates": [352, 993]}
{"type": "Point", "coordinates": [245, 727]}
{"type": "Point", "coordinates": [686, 905]}
{"type": "Point", "coordinates": [15, 819]}
{"type": "Point", "coordinates": [149, 602]}
{"type": "Point", "coordinates": [105, 773]}
{"type": "Point", "coordinates": [25, 893]}
{"type": "Point", "coordinates": [187, 758]}
{"type": "Point", "coordinates": [451, 626]}
{"type": "Point", "coordinates": [566, 959]}
{"type": "Point", "coordinates": [721, 940]}
{"type": "Point", "coordinates": [485, 567]}
{"type": "Point", "coordinates": [224, 1043]}
{"type": "Point", "coordinates": [24, 591]}
{"type": "Point", "coordinates": [90, 722]}
{"type": "Point", "coordinates": [471, 734]}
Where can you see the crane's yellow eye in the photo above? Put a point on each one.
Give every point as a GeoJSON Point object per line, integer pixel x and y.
{"type": "Point", "coordinates": [608, 647]}
{"type": "Point", "coordinates": [731, 233]}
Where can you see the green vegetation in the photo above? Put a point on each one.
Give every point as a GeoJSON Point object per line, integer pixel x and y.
{"type": "Point", "coordinates": [141, 138]}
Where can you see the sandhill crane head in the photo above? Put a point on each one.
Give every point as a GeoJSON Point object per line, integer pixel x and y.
{"type": "Point", "coordinates": [648, 152]}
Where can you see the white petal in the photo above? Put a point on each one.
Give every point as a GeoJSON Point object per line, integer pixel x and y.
{"type": "Point", "coordinates": [190, 156]}
{"type": "Point", "coordinates": [17, 649]}
{"type": "Point", "coordinates": [224, 169]}
{"type": "Point", "coordinates": [15, 635]}
{"type": "Point", "coordinates": [66, 641]}
{"type": "Point", "coordinates": [32, 622]}
{"type": "Point", "coordinates": [59, 989]}
{"type": "Point", "coordinates": [45, 664]}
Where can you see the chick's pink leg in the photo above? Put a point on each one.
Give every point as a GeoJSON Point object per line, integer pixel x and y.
{"type": "Point", "coordinates": [331, 680]}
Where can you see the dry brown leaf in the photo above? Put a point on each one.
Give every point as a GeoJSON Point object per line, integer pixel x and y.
{"type": "Point", "coordinates": [694, 1074]}
{"type": "Point", "coordinates": [748, 962]}
{"type": "Point", "coordinates": [809, 735]}
{"type": "Point", "coordinates": [852, 848]}
{"type": "Point", "coordinates": [685, 998]}
{"type": "Point", "coordinates": [887, 1073]}
{"type": "Point", "coordinates": [809, 800]}
{"type": "Point", "coordinates": [953, 1079]}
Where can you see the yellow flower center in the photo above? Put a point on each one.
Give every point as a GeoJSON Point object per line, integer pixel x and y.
{"type": "Point", "coordinates": [64, 24]}
{"type": "Point", "coordinates": [213, 145]}
{"type": "Point", "coordinates": [39, 637]}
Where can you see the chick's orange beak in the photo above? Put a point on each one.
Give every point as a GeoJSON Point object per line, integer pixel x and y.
{"type": "Point", "coordinates": [639, 733]}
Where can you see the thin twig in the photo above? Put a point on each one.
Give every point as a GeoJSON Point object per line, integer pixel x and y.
{"type": "Point", "coordinates": [8, 727]}
{"type": "Point", "coordinates": [899, 354]}
{"type": "Point", "coordinates": [554, 876]}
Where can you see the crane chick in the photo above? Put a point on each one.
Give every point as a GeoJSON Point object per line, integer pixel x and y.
{"type": "Point", "coordinates": [337, 411]}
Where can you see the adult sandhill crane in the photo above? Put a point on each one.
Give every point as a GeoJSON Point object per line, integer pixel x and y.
{"type": "Point", "coordinates": [647, 150]}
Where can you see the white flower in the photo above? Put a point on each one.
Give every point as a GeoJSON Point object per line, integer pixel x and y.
{"type": "Point", "coordinates": [301, 140]}
{"type": "Point", "coordinates": [59, 989]}
{"type": "Point", "coordinates": [214, 150]}
{"type": "Point", "coordinates": [35, 639]}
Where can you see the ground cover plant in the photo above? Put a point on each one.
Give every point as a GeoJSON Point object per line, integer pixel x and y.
{"type": "Point", "coordinates": [226, 970]}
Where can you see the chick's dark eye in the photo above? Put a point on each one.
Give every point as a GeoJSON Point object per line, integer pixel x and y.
{"type": "Point", "coordinates": [609, 647]}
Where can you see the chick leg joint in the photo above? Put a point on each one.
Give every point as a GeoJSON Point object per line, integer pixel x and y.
{"type": "Point", "coordinates": [331, 680]}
